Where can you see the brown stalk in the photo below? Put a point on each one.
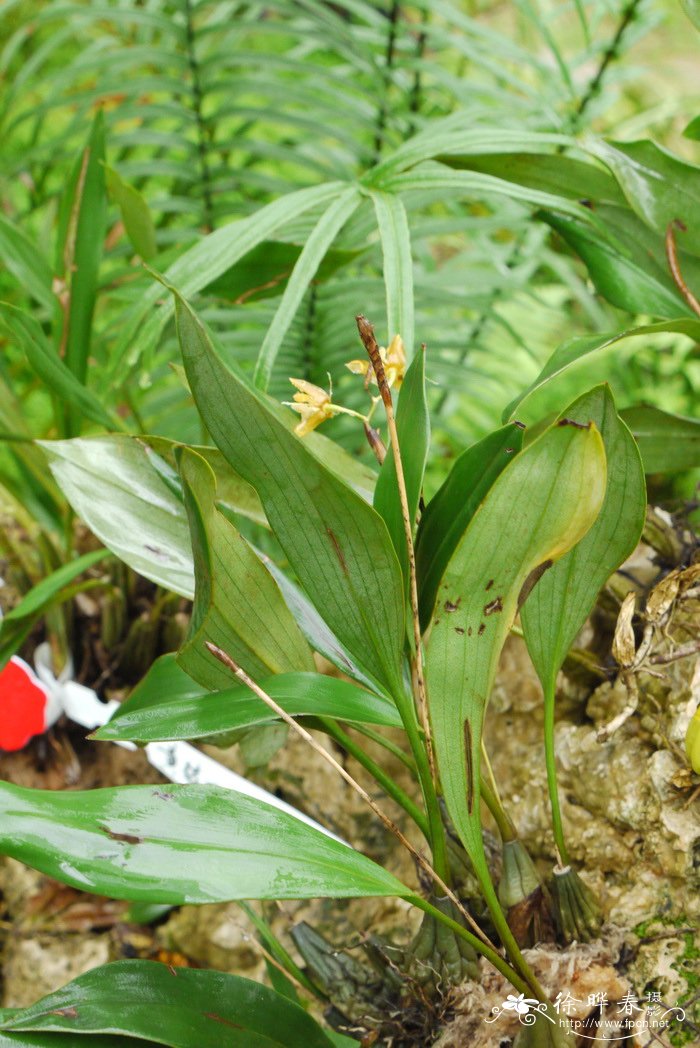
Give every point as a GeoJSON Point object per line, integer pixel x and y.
{"type": "Point", "coordinates": [390, 825]}
{"type": "Point", "coordinates": [417, 671]}
{"type": "Point", "coordinates": [674, 264]}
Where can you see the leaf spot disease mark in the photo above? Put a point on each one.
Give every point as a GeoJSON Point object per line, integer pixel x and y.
{"type": "Point", "coordinates": [571, 422]}
{"type": "Point", "coordinates": [157, 551]}
{"type": "Point", "coordinates": [449, 606]}
{"type": "Point", "coordinates": [458, 629]}
{"type": "Point", "coordinates": [469, 632]}
{"type": "Point", "coordinates": [520, 425]}
{"type": "Point", "coordinates": [493, 606]}
{"type": "Point", "coordinates": [128, 838]}
{"type": "Point", "coordinates": [470, 770]}
{"type": "Point", "coordinates": [163, 794]}
{"type": "Point", "coordinates": [338, 550]}
{"type": "Point", "coordinates": [220, 1019]}
{"type": "Point", "coordinates": [489, 584]}
{"type": "Point", "coordinates": [481, 629]}
{"type": "Point", "coordinates": [67, 1013]}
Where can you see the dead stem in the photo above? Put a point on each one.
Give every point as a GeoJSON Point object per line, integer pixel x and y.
{"type": "Point", "coordinates": [417, 671]}
{"type": "Point", "coordinates": [390, 825]}
{"type": "Point", "coordinates": [674, 265]}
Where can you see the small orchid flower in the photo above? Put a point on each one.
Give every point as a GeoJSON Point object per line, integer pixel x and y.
{"type": "Point", "coordinates": [393, 358]}
{"type": "Point", "coordinates": [315, 406]}
{"type": "Point", "coordinates": [520, 1004]}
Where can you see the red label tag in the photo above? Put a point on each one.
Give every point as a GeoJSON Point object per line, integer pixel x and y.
{"type": "Point", "coordinates": [23, 700]}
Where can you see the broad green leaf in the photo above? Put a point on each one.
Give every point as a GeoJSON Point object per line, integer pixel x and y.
{"type": "Point", "coordinates": [413, 428]}
{"type": "Point", "coordinates": [563, 598]}
{"type": "Point", "coordinates": [180, 844]}
{"type": "Point", "coordinates": [577, 348]}
{"type": "Point", "coordinates": [17, 623]}
{"type": "Point", "coordinates": [448, 513]}
{"type": "Point", "coordinates": [237, 605]}
{"type": "Point", "coordinates": [81, 230]}
{"type": "Point", "coordinates": [337, 545]}
{"type": "Point", "coordinates": [210, 258]}
{"type": "Point", "coordinates": [52, 370]}
{"type": "Point", "coordinates": [28, 266]}
{"type": "Point", "coordinates": [658, 186]}
{"type": "Point", "coordinates": [631, 279]}
{"type": "Point", "coordinates": [177, 1007]}
{"type": "Point", "coordinates": [168, 704]}
{"type": "Point", "coordinates": [67, 1040]}
{"type": "Point", "coordinates": [135, 214]}
{"type": "Point", "coordinates": [315, 248]}
{"type": "Point", "coordinates": [112, 485]}
{"type": "Point", "coordinates": [395, 237]}
{"type": "Point", "coordinates": [537, 509]}
{"type": "Point", "coordinates": [546, 172]}
{"type": "Point", "coordinates": [692, 131]}
{"type": "Point", "coordinates": [668, 443]}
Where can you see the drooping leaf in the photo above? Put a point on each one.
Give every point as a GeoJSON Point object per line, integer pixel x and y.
{"type": "Point", "coordinates": [563, 598]}
{"type": "Point", "coordinates": [180, 844]}
{"type": "Point", "coordinates": [537, 509]}
{"type": "Point", "coordinates": [337, 545]}
{"type": "Point", "coordinates": [18, 622]}
{"type": "Point", "coordinates": [668, 443]}
{"type": "Point", "coordinates": [136, 217]}
{"type": "Point", "coordinates": [26, 263]}
{"type": "Point", "coordinates": [629, 276]}
{"type": "Point", "coordinates": [658, 186]}
{"type": "Point", "coordinates": [168, 704]}
{"type": "Point", "coordinates": [177, 1007]}
{"type": "Point", "coordinates": [113, 486]}
{"type": "Point", "coordinates": [413, 428]}
{"type": "Point", "coordinates": [449, 512]}
{"type": "Point", "coordinates": [576, 349]}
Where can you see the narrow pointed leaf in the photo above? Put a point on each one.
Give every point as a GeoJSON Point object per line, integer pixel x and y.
{"type": "Point", "coordinates": [179, 1008]}
{"type": "Point", "coordinates": [168, 704]}
{"type": "Point", "coordinates": [576, 349]}
{"type": "Point", "coordinates": [180, 844]}
{"type": "Point", "coordinates": [315, 249]}
{"type": "Point", "coordinates": [238, 605]}
{"type": "Point", "coordinates": [538, 508]}
{"type": "Point", "coordinates": [28, 266]}
{"type": "Point", "coordinates": [336, 544]}
{"type": "Point", "coordinates": [546, 172]}
{"type": "Point", "coordinates": [563, 598]}
{"type": "Point", "coordinates": [395, 237]}
{"type": "Point", "coordinates": [449, 512]}
{"type": "Point", "coordinates": [413, 428]}
{"type": "Point", "coordinates": [135, 215]}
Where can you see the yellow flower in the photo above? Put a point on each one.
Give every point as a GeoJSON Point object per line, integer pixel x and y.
{"type": "Point", "coordinates": [312, 403]}
{"type": "Point", "coordinates": [393, 358]}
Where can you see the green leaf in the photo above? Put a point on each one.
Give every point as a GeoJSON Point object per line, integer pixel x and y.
{"type": "Point", "coordinates": [180, 1008]}
{"type": "Point", "coordinates": [537, 509]}
{"type": "Point", "coordinates": [692, 9]}
{"type": "Point", "coordinates": [449, 512]}
{"type": "Point", "coordinates": [413, 428]}
{"type": "Point", "coordinates": [632, 279]}
{"type": "Point", "coordinates": [135, 214]}
{"type": "Point", "coordinates": [395, 236]}
{"type": "Point", "coordinates": [210, 258]}
{"type": "Point", "coordinates": [23, 259]}
{"type": "Point", "coordinates": [112, 484]}
{"type": "Point", "coordinates": [67, 1040]}
{"type": "Point", "coordinates": [81, 229]}
{"type": "Point", "coordinates": [18, 622]}
{"type": "Point", "coordinates": [336, 544]}
{"type": "Point", "coordinates": [318, 243]}
{"type": "Point", "coordinates": [563, 598]}
{"type": "Point", "coordinates": [577, 348]}
{"type": "Point", "coordinates": [181, 844]}
{"type": "Point", "coordinates": [668, 443]}
{"type": "Point", "coordinates": [545, 172]}
{"type": "Point", "coordinates": [658, 186]}
{"type": "Point", "coordinates": [237, 605]}
{"type": "Point", "coordinates": [263, 270]}
{"type": "Point", "coordinates": [168, 704]}
{"type": "Point", "coordinates": [52, 370]}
